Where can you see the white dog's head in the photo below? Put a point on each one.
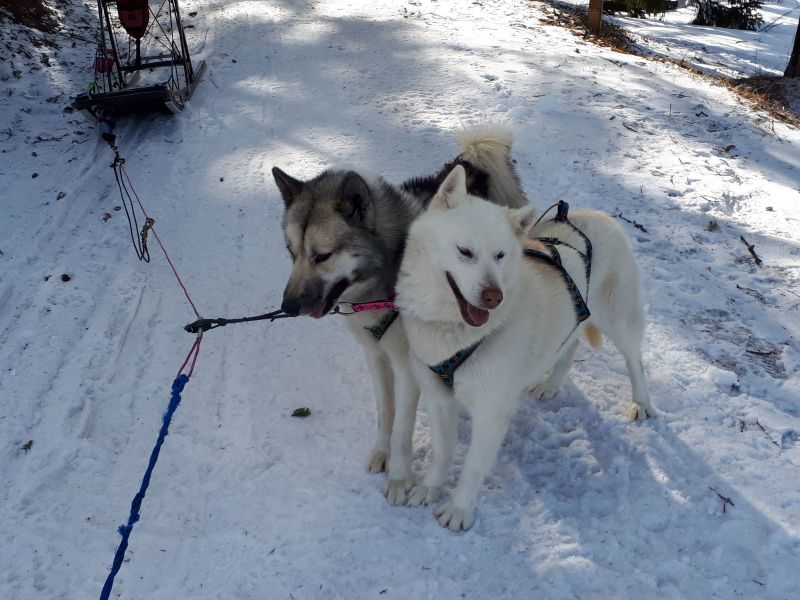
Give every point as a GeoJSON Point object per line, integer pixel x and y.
{"type": "Point", "coordinates": [462, 256]}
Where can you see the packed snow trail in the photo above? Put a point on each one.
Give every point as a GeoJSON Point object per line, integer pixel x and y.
{"type": "Point", "coordinates": [247, 502]}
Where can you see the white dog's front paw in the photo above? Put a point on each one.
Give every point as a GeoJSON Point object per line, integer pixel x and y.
{"type": "Point", "coordinates": [544, 390]}
{"type": "Point", "coordinates": [455, 518]}
{"type": "Point", "coordinates": [422, 495]}
{"type": "Point", "coordinates": [377, 461]}
{"type": "Point", "coordinates": [396, 490]}
{"type": "Point", "coordinates": [637, 411]}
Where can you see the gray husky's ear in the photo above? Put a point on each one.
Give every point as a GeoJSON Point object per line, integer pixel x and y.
{"type": "Point", "coordinates": [522, 219]}
{"type": "Point", "coordinates": [289, 186]}
{"type": "Point", "coordinates": [355, 200]}
{"type": "Point", "coordinates": [453, 190]}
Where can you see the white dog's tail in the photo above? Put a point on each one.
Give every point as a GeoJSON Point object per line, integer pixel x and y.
{"type": "Point", "coordinates": [488, 147]}
{"type": "Point", "coordinates": [593, 336]}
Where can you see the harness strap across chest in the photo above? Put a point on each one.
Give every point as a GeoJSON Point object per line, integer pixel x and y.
{"type": "Point", "coordinates": [446, 370]}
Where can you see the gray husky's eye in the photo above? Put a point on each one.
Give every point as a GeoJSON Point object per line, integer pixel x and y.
{"type": "Point", "coordinates": [465, 252]}
{"type": "Point", "coordinates": [290, 252]}
{"type": "Point", "coordinates": [321, 258]}
{"type": "Point", "coordinates": [500, 256]}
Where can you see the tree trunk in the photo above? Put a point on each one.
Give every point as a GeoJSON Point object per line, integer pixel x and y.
{"type": "Point", "coordinates": [793, 68]}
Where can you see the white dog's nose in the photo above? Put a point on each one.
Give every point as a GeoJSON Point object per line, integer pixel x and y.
{"type": "Point", "coordinates": [491, 297]}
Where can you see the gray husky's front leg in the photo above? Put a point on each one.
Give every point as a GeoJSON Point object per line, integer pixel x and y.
{"type": "Point", "coordinates": [383, 381]}
{"type": "Point", "coordinates": [406, 396]}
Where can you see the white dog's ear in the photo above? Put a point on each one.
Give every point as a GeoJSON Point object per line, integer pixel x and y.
{"type": "Point", "coordinates": [522, 219]}
{"type": "Point", "coordinates": [453, 190]}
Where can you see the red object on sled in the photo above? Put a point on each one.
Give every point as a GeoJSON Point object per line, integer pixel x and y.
{"type": "Point", "coordinates": [104, 62]}
{"type": "Point", "coordinates": [134, 16]}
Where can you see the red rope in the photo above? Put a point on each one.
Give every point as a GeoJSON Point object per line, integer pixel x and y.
{"type": "Point", "coordinates": [158, 239]}
{"type": "Point", "coordinates": [195, 350]}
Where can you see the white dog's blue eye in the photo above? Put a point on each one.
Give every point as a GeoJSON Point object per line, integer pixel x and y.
{"type": "Point", "coordinates": [500, 256]}
{"type": "Point", "coordinates": [465, 252]}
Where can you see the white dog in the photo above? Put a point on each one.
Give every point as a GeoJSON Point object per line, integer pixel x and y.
{"type": "Point", "coordinates": [487, 310]}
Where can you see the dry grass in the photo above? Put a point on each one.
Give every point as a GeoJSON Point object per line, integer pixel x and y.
{"type": "Point", "coordinates": [777, 96]}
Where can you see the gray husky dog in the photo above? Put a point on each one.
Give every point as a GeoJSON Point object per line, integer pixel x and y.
{"type": "Point", "coordinates": [346, 235]}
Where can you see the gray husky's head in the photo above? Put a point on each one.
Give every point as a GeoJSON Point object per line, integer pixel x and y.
{"type": "Point", "coordinates": [329, 225]}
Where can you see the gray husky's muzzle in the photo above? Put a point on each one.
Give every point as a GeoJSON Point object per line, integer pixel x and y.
{"type": "Point", "coordinates": [304, 300]}
{"type": "Point", "coordinates": [312, 299]}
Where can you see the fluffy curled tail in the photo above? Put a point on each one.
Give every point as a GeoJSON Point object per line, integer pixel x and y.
{"type": "Point", "coordinates": [488, 147]}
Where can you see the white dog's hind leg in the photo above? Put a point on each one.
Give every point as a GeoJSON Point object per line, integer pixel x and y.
{"type": "Point", "coordinates": [618, 312]}
{"type": "Point", "coordinates": [383, 382]}
{"type": "Point", "coordinates": [489, 425]}
{"type": "Point", "coordinates": [548, 388]}
{"type": "Point", "coordinates": [626, 330]}
{"type": "Point", "coordinates": [405, 401]}
{"type": "Point", "coordinates": [641, 407]}
{"type": "Point", "coordinates": [628, 340]}
{"type": "Point", "coordinates": [443, 417]}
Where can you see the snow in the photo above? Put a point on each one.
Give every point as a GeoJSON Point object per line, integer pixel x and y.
{"type": "Point", "coordinates": [248, 502]}
{"type": "Point", "coordinates": [720, 51]}
{"type": "Point", "coordinates": [716, 50]}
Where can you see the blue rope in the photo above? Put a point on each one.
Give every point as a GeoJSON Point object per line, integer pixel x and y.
{"type": "Point", "coordinates": [136, 505]}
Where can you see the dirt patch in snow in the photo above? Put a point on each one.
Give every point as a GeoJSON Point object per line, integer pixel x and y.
{"type": "Point", "coordinates": [577, 20]}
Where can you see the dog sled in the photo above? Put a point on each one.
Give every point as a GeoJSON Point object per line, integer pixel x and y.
{"type": "Point", "coordinates": [142, 62]}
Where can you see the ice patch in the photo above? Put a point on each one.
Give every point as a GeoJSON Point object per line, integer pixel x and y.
{"type": "Point", "coordinates": [720, 377]}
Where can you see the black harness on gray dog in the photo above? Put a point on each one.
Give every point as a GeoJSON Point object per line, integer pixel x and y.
{"type": "Point", "coordinates": [446, 369]}
{"type": "Point", "coordinates": [380, 328]}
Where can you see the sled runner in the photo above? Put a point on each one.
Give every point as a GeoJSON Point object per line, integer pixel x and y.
{"type": "Point", "coordinates": [142, 62]}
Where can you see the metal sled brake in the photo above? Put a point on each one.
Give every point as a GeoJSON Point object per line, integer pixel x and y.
{"type": "Point", "coordinates": [142, 62]}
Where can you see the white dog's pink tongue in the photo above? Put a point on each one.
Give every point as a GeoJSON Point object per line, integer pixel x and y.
{"type": "Point", "coordinates": [477, 316]}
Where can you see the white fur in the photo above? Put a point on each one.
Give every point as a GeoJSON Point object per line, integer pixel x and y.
{"type": "Point", "coordinates": [397, 395]}
{"type": "Point", "coordinates": [396, 390]}
{"type": "Point", "coordinates": [530, 335]}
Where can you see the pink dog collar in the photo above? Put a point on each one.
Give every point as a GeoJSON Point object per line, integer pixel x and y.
{"type": "Point", "coordinates": [377, 305]}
